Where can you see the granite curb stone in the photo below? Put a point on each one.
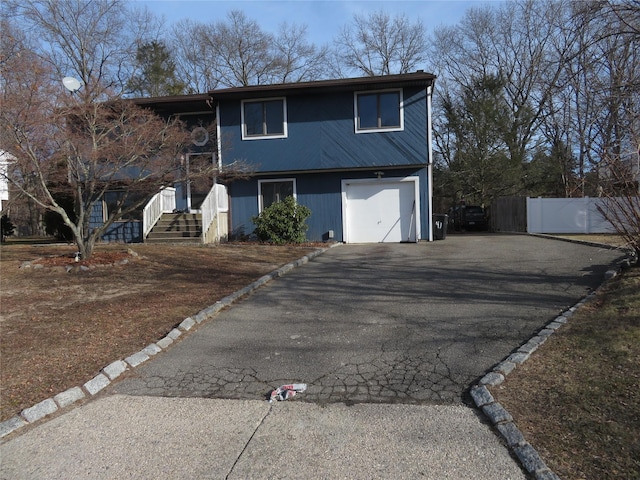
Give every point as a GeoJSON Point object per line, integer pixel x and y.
{"type": "Point", "coordinates": [492, 378]}
{"type": "Point", "coordinates": [68, 397]}
{"type": "Point", "coordinates": [97, 383]}
{"type": "Point", "coordinates": [137, 359]}
{"type": "Point", "coordinates": [499, 416]}
{"type": "Point", "coordinates": [174, 334]}
{"type": "Point", "coordinates": [114, 369]}
{"type": "Point", "coordinates": [39, 410]}
{"type": "Point", "coordinates": [187, 324]}
{"type": "Point", "coordinates": [11, 425]}
{"type": "Point", "coordinates": [152, 349]}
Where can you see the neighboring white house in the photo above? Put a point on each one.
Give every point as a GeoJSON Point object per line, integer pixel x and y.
{"type": "Point", "coordinates": [5, 158]}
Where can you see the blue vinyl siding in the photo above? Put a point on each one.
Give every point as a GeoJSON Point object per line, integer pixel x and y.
{"type": "Point", "coordinates": [321, 192]}
{"type": "Point", "coordinates": [123, 232]}
{"type": "Point", "coordinates": [321, 136]}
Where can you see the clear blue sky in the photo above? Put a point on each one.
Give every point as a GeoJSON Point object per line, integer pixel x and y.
{"type": "Point", "coordinates": [323, 18]}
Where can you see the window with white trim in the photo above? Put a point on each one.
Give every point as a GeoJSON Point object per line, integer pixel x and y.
{"type": "Point", "coordinates": [265, 118]}
{"type": "Point", "coordinates": [379, 111]}
{"type": "Point", "coordinates": [274, 191]}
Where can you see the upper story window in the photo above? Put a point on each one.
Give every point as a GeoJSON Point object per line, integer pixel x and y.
{"type": "Point", "coordinates": [379, 111]}
{"type": "Point", "coordinates": [266, 118]}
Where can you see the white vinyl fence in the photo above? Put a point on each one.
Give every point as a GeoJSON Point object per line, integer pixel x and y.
{"type": "Point", "coordinates": [566, 215]}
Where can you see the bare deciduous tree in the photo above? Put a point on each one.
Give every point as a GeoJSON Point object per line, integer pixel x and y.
{"type": "Point", "coordinates": [378, 44]}
{"type": "Point", "coordinates": [299, 61]}
{"type": "Point", "coordinates": [515, 41]}
{"type": "Point", "coordinates": [71, 146]}
{"type": "Point", "coordinates": [242, 51]}
{"type": "Point", "coordinates": [195, 59]}
{"type": "Point", "coordinates": [238, 52]}
{"type": "Point", "coordinates": [94, 41]}
{"type": "Point", "coordinates": [620, 181]}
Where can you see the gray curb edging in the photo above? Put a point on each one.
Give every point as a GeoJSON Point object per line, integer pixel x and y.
{"type": "Point", "coordinates": [499, 417]}
{"type": "Point", "coordinates": [115, 369]}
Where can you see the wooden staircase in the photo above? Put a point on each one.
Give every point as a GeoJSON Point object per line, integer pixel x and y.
{"type": "Point", "coordinates": [177, 228]}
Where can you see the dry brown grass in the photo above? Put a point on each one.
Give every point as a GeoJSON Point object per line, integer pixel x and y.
{"type": "Point", "coordinates": [59, 329]}
{"type": "Point", "coordinates": [577, 399]}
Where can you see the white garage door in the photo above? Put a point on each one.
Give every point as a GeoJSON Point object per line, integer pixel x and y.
{"type": "Point", "coordinates": [380, 211]}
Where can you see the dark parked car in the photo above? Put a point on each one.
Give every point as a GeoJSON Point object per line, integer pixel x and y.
{"type": "Point", "coordinates": [467, 217]}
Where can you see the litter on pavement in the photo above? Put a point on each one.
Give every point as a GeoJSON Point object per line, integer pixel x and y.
{"type": "Point", "coordinates": [285, 392]}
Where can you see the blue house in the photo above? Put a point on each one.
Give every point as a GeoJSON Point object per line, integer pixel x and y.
{"type": "Point", "coordinates": [356, 151]}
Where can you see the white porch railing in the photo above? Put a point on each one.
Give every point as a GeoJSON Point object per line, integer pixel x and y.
{"type": "Point", "coordinates": [162, 202]}
{"type": "Point", "coordinates": [215, 203]}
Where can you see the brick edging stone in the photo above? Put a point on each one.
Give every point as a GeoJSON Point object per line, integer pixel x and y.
{"type": "Point", "coordinates": [499, 417]}
{"type": "Point", "coordinates": [115, 369]}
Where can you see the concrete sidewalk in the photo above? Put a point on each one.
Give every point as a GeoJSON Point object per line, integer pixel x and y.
{"type": "Point", "coordinates": [116, 437]}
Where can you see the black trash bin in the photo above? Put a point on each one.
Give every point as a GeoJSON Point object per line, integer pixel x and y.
{"type": "Point", "coordinates": [440, 226]}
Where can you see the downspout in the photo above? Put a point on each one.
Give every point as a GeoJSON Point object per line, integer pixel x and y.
{"type": "Point", "coordinates": [429, 164]}
{"type": "Point", "coordinates": [219, 156]}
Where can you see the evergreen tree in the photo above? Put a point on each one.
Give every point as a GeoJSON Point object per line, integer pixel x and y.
{"type": "Point", "coordinates": [481, 163]}
{"type": "Point", "coordinates": [157, 72]}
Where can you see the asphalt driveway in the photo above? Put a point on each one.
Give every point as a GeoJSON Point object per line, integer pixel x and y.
{"type": "Point", "coordinates": [383, 323]}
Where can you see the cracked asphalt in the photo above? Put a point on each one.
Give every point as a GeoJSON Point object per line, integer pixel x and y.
{"type": "Point", "coordinates": [388, 337]}
{"type": "Point", "coordinates": [385, 323]}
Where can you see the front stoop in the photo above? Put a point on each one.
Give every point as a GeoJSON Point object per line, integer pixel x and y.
{"type": "Point", "coordinates": [177, 228]}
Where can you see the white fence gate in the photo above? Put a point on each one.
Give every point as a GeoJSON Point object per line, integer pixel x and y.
{"type": "Point", "coordinates": [566, 215]}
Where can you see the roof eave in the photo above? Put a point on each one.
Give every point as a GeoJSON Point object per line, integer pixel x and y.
{"type": "Point", "coordinates": [418, 79]}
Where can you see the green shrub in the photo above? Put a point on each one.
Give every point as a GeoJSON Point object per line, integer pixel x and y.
{"type": "Point", "coordinates": [282, 222]}
{"type": "Point", "coordinates": [7, 228]}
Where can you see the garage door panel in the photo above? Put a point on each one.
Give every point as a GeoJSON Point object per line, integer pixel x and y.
{"type": "Point", "coordinates": [380, 212]}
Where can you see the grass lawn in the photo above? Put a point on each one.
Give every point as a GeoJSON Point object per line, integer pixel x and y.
{"type": "Point", "coordinates": [59, 328]}
{"type": "Point", "coordinates": [577, 399]}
